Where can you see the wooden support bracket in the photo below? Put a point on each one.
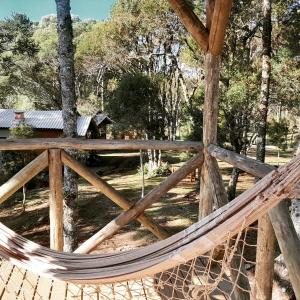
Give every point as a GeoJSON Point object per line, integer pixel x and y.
{"type": "Point", "coordinates": [23, 176]}
{"type": "Point", "coordinates": [111, 193]}
{"type": "Point", "coordinates": [191, 22]}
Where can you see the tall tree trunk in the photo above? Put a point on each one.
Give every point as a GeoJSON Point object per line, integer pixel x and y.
{"type": "Point", "coordinates": [265, 81]}
{"type": "Point", "coordinates": [266, 237]}
{"type": "Point", "coordinates": [231, 189]}
{"type": "Point", "coordinates": [67, 81]}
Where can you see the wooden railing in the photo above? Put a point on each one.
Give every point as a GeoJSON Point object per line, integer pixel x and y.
{"type": "Point", "coordinates": [54, 156]}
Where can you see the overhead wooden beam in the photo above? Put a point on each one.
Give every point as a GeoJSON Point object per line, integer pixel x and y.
{"type": "Point", "coordinates": [191, 22]}
{"type": "Point", "coordinates": [222, 9]}
{"type": "Point", "coordinates": [56, 200]}
{"type": "Point", "coordinates": [112, 194]}
{"type": "Point", "coordinates": [23, 176]}
{"type": "Point", "coordinates": [97, 144]}
{"type": "Point", "coordinates": [138, 208]}
{"type": "Point", "coordinates": [286, 235]}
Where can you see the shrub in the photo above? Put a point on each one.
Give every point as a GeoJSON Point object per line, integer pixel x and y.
{"type": "Point", "coordinates": [162, 170]}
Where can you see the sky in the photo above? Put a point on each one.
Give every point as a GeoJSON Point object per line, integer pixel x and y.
{"type": "Point", "coordinates": [35, 9]}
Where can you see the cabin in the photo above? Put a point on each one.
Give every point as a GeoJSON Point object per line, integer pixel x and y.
{"type": "Point", "coordinates": [49, 123]}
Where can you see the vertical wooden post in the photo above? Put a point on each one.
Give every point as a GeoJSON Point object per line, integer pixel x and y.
{"type": "Point", "coordinates": [211, 189]}
{"type": "Point", "coordinates": [56, 200]}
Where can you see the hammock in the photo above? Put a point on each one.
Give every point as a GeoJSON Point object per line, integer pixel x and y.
{"type": "Point", "coordinates": [212, 251]}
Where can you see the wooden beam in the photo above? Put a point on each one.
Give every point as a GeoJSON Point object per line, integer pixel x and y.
{"type": "Point", "coordinates": [247, 164]}
{"type": "Point", "coordinates": [191, 22]}
{"type": "Point", "coordinates": [286, 235]}
{"type": "Point", "coordinates": [222, 9]}
{"type": "Point", "coordinates": [139, 207]}
{"type": "Point", "coordinates": [56, 200]}
{"type": "Point", "coordinates": [23, 176]}
{"type": "Point", "coordinates": [111, 193]}
{"type": "Point", "coordinates": [97, 144]}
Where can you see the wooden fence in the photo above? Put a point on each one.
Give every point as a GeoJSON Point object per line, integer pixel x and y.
{"type": "Point", "coordinates": [54, 156]}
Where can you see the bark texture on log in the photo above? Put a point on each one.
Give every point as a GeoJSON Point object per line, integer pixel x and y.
{"type": "Point", "coordinates": [264, 270]}
{"type": "Point", "coordinates": [210, 121]}
{"type": "Point", "coordinates": [98, 145]}
{"type": "Point", "coordinates": [67, 82]}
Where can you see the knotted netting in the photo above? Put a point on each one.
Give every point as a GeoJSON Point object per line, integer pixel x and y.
{"type": "Point", "coordinates": [212, 259]}
{"type": "Point", "coordinates": [225, 272]}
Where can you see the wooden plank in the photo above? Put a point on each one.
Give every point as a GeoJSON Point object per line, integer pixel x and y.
{"type": "Point", "coordinates": [43, 289]}
{"type": "Point", "coordinates": [97, 144]}
{"type": "Point", "coordinates": [14, 284]}
{"type": "Point", "coordinates": [222, 9]}
{"type": "Point", "coordinates": [5, 273]}
{"type": "Point", "coordinates": [112, 194]}
{"type": "Point", "coordinates": [131, 214]}
{"type": "Point", "coordinates": [73, 291]}
{"type": "Point", "coordinates": [28, 290]}
{"type": "Point", "coordinates": [56, 200]}
{"type": "Point", "coordinates": [212, 190]}
{"type": "Point", "coordinates": [191, 22]}
{"type": "Point", "coordinates": [23, 176]}
{"type": "Point", "coordinates": [59, 290]}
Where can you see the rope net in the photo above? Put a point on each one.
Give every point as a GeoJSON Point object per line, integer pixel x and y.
{"type": "Point", "coordinates": [226, 272]}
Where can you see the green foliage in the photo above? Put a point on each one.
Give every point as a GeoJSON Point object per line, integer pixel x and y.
{"type": "Point", "coordinates": [151, 172]}
{"type": "Point", "coordinates": [22, 131]}
{"type": "Point", "coordinates": [185, 156]}
{"type": "Point", "coordinates": [278, 133]}
{"type": "Point", "coordinates": [136, 106]}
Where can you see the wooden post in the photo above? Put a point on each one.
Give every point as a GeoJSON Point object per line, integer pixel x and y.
{"type": "Point", "coordinates": [265, 254]}
{"type": "Point", "coordinates": [211, 191]}
{"type": "Point", "coordinates": [56, 200]}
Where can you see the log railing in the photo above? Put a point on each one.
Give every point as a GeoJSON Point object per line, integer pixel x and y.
{"type": "Point", "coordinates": [53, 156]}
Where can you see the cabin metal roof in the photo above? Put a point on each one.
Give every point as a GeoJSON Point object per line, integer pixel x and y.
{"type": "Point", "coordinates": [44, 120]}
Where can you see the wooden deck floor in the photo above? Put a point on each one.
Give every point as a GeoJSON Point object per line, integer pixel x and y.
{"type": "Point", "coordinates": [18, 284]}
